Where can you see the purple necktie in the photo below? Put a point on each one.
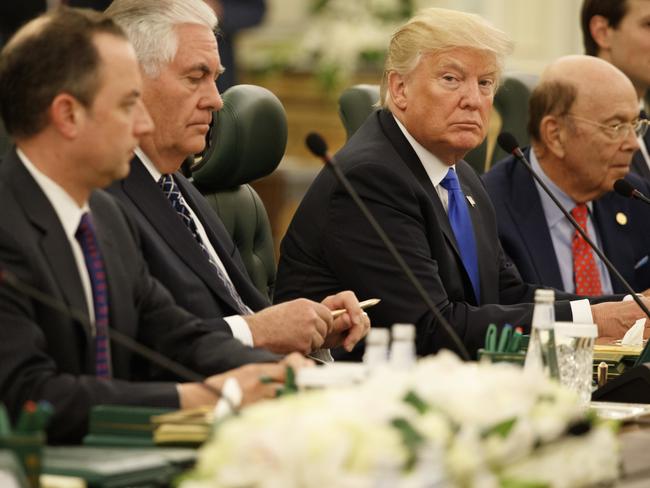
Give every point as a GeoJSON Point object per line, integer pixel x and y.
{"type": "Point", "coordinates": [87, 239]}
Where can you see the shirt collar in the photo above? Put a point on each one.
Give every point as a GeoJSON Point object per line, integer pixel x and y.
{"type": "Point", "coordinates": [66, 208]}
{"type": "Point", "coordinates": [553, 214]}
{"type": "Point", "coordinates": [148, 163]}
{"type": "Point", "coordinates": [436, 170]}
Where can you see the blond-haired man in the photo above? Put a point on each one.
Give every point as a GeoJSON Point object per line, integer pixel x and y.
{"type": "Point", "coordinates": [439, 80]}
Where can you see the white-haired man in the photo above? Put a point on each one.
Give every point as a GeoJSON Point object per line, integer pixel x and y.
{"type": "Point", "coordinates": [184, 242]}
{"type": "Point", "coordinates": [441, 72]}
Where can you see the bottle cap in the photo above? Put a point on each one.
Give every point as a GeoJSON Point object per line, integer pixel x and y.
{"type": "Point", "coordinates": [403, 332]}
{"type": "Point", "coordinates": [377, 336]}
{"type": "Point", "coordinates": [544, 295]}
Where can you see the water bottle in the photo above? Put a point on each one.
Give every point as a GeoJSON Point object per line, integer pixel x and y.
{"type": "Point", "coordinates": [376, 352]}
{"type": "Point", "coordinates": [402, 348]}
{"type": "Point", "coordinates": [542, 354]}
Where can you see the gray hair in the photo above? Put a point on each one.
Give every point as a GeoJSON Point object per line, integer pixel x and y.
{"type": "Point", "coordinates": [437, 29]}
{"type": "Point", "coordinates": [149, 25]}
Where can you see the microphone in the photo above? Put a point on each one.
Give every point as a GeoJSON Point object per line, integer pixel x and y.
{"type": "Point", "coordinates": [509, 144]}
{"type": "Point", "coordinates": [625, 188]}
{"type": "Point", "coordinates": [317, 145]}
{"type": "Point", "coordinates": [183, 372]}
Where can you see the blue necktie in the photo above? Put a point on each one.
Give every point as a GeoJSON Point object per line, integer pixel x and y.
{"type": "Point", "coordinates": [461, 224]}
{"type": "Point", "coordinates": [173, 194]}
{"type": "Point", "coordinates": [85, 235]}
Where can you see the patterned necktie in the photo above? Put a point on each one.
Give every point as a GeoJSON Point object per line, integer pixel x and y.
{"type": "Point", "coordinates": [461, 224]}
{"type": "Point", "coordinates": [87, 239]}
{"type": "Point", "coordinates": [173, 194]}
{"type": "Point", "coordinates": [585, 271]}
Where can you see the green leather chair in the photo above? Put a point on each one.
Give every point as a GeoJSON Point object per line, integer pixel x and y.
{"type": "Point", "coordinates": [246, 142]}
{"type": "Point", "coordinates": [510, 101]}
{"type": "Point", "coordinates": [356, 104]}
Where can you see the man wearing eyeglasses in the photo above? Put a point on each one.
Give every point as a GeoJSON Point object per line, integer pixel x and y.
{"type": "Point", "coordinates": [584, 127]}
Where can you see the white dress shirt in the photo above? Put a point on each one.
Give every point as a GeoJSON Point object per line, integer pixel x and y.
{"type": "Point", "coordinates": [437, 170]}
{"type": "Point", "coordinates": [69, 214]}
{"type": "Point", "coordinates": [238, 326]}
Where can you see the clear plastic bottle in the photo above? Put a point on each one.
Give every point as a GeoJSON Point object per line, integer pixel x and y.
{"type": "Point", "coordinates": [542, 354]}
{"type": "Point", "coordinates": [402, 348]}
{"type": "Point", "coordinates": [376, 352]}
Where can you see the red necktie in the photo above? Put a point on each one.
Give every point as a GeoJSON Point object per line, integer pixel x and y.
{"type": "Point", "coordinates": [585, 270]}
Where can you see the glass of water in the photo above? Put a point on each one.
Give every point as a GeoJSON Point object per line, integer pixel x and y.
{"type": "Point", "coordinates": [575, 352]}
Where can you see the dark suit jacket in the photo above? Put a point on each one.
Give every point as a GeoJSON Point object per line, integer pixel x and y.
{"type": "Point", "coordinates": [44, 354]}
{"type": "Point", "coordinates": [330, 247]}
{"type": "Point", "coordinates": [174, 257]}
{"type": "Point", "coordinates": [526, 239]}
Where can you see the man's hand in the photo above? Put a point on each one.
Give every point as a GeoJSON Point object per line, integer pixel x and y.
{"type": "Point", "coordinates": [615, 318]}
{"type": "Point", "coordinates": [249, 378]}
{"type": "Point", "coordinates": [350, 327]}
{"type": "Point", "coordinates": [296, 326]}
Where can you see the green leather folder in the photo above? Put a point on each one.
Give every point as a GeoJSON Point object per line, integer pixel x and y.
{"type": "Point", "coordinates": [119, 425]}
{"type": "Point", "coordinates": [118, 467]}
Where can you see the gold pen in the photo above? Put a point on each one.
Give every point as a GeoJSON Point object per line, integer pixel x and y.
{"type": "Point", "coordinates": [364, 304]}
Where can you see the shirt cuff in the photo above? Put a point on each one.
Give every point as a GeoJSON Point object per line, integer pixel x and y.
{"type": "Point", "coordinates": [581, 311]}
{"type": "Point", "coordinates": [322, 355]}
{"type": "Point", "coordinates": [240, 329]}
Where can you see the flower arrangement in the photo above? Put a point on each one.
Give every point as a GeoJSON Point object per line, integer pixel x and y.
{"type": "Point", "coordinates": [443, 423]}
{"type": "Point", "coordinates": [344, 35]}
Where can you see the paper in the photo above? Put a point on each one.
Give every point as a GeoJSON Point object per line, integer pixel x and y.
{"type": "Point", "coordinates": [634, 335]}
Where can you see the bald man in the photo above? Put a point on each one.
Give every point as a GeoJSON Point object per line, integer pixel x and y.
{"type": "Point", "coordinates": [584, 127]}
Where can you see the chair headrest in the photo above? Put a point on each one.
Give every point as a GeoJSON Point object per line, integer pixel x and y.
{"type": "Point", "coordinates": [356, 104]}
{"type": "Point", "coordinates": [247, 140]}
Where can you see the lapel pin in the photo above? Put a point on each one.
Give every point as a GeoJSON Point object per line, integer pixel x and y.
{"type": "Point", "coordinates": [621, 218]}
{"type": "Point", "coordinates": [473, 203]}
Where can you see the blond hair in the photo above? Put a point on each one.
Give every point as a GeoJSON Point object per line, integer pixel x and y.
{"type": "Point", "coordinates": [437, 29]}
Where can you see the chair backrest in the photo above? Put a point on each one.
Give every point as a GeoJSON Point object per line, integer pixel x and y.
{"type": "Point", "coordinates": [356, 104]}
{"type": "Point", "coordinates": [5, 140]}
{"type": "Point", "coordinates": [510, 103]}
{"type": "Point", "coordinates": [246, 142]}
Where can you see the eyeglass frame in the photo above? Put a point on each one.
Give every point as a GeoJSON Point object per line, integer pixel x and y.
{"type": "Point", "coordinates": [639, 127]}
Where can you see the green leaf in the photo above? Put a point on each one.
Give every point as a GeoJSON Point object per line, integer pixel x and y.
{"type": "Point", "coordinates": [515, 483]}
{"type": "Point", "coordinates": [501, 429]}
{"type": "Point", "coordinates": [411, 438]}
{"type": "Point", "coordinates": [416, 402]}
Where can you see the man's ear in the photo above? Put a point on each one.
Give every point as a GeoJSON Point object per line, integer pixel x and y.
{"type": "Point", "coordinates": [66, 115]}
{"type": "Point", "coordinates": [552, 133]}
{"type": "Point", "coordinates": [600, 31]}
{"type": "Point", "coordinates": [398, 90]}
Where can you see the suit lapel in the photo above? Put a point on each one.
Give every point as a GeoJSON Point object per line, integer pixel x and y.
{"type": "Point", "coordinates": [154, 206]}
{"type": "Point", "coordinates": [527, 213]}
{"type": "Point", "coordinates": [410, 158]}
{"type": "Point", "coordinates": [53, 241]}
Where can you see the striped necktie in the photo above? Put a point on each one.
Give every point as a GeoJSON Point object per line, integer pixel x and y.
{"type": "Point", "coordinates": [173, 194]}
{"type": "Point", "coordinates": [87, 239]}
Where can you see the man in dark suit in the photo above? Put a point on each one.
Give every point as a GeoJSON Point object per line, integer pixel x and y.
{"type": "Point", "coordinates": [593, 106]}
{"type": "Point", "coordinates": [617, 31]}
{"type": "Point", "coordinates": [193, 256]}
{"type": "Point", "coordinates": [406, 163]}
{"type": "Point", "coordinates": [70, 97]}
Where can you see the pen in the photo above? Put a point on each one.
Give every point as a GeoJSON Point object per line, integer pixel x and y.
{"type": "Point", "coordinates": [504, 338]}
{"type": "Point", "coordinates": [515, 341]}
{"type": "Point", "coordinates": [364, 304]}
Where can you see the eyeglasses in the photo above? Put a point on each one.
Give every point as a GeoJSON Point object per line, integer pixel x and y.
{"type": "Point", "coordinates": [618, 131]}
